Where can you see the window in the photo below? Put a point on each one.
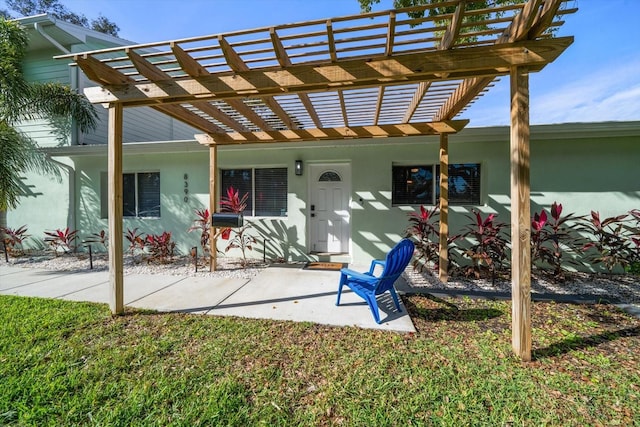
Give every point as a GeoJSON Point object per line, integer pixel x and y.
{"type": "Point", "coordinates": [420, 184]}
{"type": "Point", "coordinates": [267, 189]}
{"type": "Point", "coordinates": [140, 194]}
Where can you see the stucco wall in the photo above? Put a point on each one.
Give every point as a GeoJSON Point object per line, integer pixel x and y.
{"type": "Point", "coordinates": [588, 170]}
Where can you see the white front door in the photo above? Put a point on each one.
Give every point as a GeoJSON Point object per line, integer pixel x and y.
{"type": "Point", "coordinates": [329, 213]}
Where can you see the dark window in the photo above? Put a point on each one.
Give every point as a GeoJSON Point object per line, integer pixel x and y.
{"type": "Point", "coordinates": [140, 194]}
{"type": "Point", "coordinates": [242, 181]}
{"type": "Point", "coordinates": [420, 184]}
{"type": "Point", "coordinates": [266, 187]}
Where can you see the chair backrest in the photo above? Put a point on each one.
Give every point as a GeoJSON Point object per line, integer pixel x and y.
{"type": "Point", "coordinates": [397, 260]}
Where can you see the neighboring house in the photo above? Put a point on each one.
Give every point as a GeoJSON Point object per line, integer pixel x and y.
{"type": "Point", "coordinates": [348, 202]}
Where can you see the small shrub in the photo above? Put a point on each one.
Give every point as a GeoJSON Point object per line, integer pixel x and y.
{"type": "Point", "coordinates": [243, 241]}
{"type": "Point", "coordinates": [100, 238]}
{"type": "Point", "coordinates": [634, 236]}
{"type": "Point", "coordinates": [14, 239]}
{"type": "Point", "coordinates": [489, 244]}
{"type": "Point", "coordinates": [136, 241]}
{"type": "Point", "coordinates": [612, 246]}
{"type": "Point", "coordinates": [551, 237]}
{"type": "Point", "coordinates": [425, 231]}
{"type": "Point", "coordinates": [232, 202]}
{"type": "Point", "coordinates": [160, 246]}
{"type": "Point", "coordinates": [61, 240]}
{"type": "Point", "coordinates": [202, 224]}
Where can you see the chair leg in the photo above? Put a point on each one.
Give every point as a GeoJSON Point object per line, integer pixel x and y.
{"type": "Point", "coordinates": [395, 299]}
{"type": "Point", "coordinates": [373, 306]}
{"type": "Point", "coordinates": [342, 282]}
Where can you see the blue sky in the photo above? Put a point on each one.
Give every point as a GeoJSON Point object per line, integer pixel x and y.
{"type": "Point", "coordinates": [596, 79]}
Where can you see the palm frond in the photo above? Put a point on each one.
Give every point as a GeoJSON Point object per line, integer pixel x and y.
{"type": "Point", "coordinates": [55, 100]}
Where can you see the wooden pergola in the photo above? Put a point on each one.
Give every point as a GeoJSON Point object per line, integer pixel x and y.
{"type": "Point", "coordinates": [375, 75]}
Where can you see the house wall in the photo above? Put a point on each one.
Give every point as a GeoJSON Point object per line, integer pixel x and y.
{"type": "Point", "coordinates": [40, 67]}
{"type": "Point", "coordinates": [47, 204]}
{"type": "Point", "coordinates": [591, 170]}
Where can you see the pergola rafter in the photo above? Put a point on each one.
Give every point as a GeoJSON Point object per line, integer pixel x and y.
{"type": "Point", "coordinates": [375, 75]}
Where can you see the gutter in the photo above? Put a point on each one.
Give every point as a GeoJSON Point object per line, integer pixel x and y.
{"type": "Point", "coordinates": [40, 30]}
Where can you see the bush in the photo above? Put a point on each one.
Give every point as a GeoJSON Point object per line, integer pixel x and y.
{"type": "Point", "coordinates": [14, 239]}
{"type": "Point", "coordinates": [136, 241]}
{"type": "Point", "coordinates": [202, 223]}
{"type": "Point", "coordinates": [100, 238]}
{"type": "Point", "coordinates": [61, 240]}
{"type": "Point", "coordinates": [424, 228]}
{"type": "Point", "coordinates": [489, 244]}
{"type": "Point", "coordinates": [550, 238]}
{"type": "Point", "coordinates": [612, 247]}
{"type": "Point", "coordinates": [160, 246]}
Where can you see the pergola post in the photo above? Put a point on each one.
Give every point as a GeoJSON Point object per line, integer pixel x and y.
{"type": "Point", "coordinates": [213, 203]}
{"type": "Point", "coordinates": [444, 208]}
{"type": "Point", "coordinates": [116, 278]}
{"type": "Point", "coordinates": [520, 214]}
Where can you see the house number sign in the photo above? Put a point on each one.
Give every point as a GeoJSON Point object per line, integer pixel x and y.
{"type": "Point", "coordinates": [186, 188]}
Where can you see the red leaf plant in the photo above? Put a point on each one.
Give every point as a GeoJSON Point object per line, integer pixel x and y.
{"type": "Point", "coordinates": [60, 239]}
{"type": "Point", "coordinates": [488, 244]}
{"type": "Point", "coordinates": [552, 237]}
{"type": "Point", "coordinates": [135, 239]}
{"type": "Point", "coordinates": [424, 228]}
{"type": "Point", "coordinates": [612, 246]}
{"type": "Point", "coordinates": [14, 238]}
{"type": "Point", "coordinates": [202, 223]}
{"type": "Point", "coordinates": [161, 247]}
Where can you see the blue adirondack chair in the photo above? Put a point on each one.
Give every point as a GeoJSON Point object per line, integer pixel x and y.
{"type": "Point", "coordinates": [368, 285]}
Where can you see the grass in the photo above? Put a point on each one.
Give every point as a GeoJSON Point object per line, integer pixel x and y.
{"type": "Point", "coordinates": [66, 363]}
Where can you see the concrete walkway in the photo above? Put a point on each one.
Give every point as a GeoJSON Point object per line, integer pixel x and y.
{"type": "Point", "coordinates": [278, 292]}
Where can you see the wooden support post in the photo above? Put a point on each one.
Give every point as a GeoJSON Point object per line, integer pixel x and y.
{"type": "Point", "coordinates": [213, 203]}
{"type": "Point", "coordinates": [116, 277]}
{"type": "Point", "coordinates": [520, 214]}
{"type": "Point", "coordinates": [444, 208]}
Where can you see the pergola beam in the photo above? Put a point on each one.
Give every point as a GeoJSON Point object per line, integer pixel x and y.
{"type": "Point", "coordinates": [451, 35]}
{"type": "Point", "coordinates": [367, 72]}
{"type": "Point", "coordinates": [285, 62]}
{"type": "Point", "coordinates": [420, 92]}
{"type": "Point", "coordinates": [336, 133]}
{"type": "Point", "coordinates": [180, 113]}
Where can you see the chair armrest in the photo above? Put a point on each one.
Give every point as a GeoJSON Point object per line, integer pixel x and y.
{"type": "Point", "coordinates": [376, 262]}
{"type": "Point", "coordinates": [357, 275]}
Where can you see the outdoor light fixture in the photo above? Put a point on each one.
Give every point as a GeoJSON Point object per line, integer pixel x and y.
{"type": "Point", "coordinates": [298, 167]}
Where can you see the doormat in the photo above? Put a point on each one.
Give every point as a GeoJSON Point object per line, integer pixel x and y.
{"type": "Point", "coordinates": [329, 266]}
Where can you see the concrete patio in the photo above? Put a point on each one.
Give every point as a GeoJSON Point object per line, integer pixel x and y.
{"type": "Point", "coordinates": [278, 292]}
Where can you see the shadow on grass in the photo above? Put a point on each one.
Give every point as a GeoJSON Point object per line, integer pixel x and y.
{"type": "Point", "coordinates": [450, 312]}
{"type": "Point", "coordinates": [581, 343]}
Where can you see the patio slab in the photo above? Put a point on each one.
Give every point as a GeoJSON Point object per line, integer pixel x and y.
{"type": "Point", "coordinates": [46, 285]}
{"type": "Point", "coordinates": [278, 292]}
{"type": "Point", "coordinates": [292, 293]}
{"type": "Point", "coordinates": [191, 295]}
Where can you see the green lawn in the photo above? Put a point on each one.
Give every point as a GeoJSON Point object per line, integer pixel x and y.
{"type": "Point", "coordinates": [65, 363]}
